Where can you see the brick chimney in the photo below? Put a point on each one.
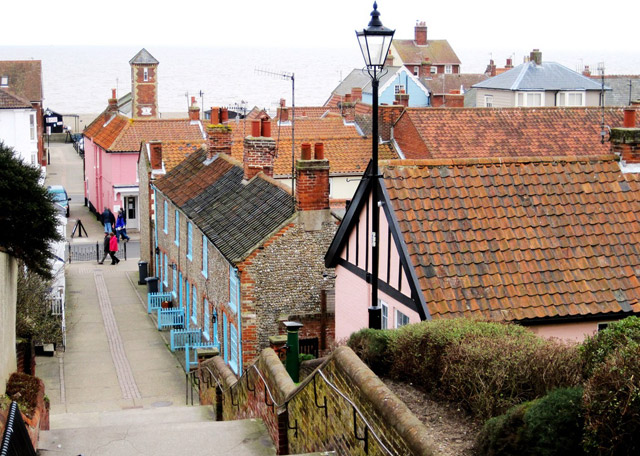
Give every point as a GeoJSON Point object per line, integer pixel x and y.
{"type": "Point", "coordinates": [356, 94]}
{"type": "Point", "coordinates": [387, 117]}
{"type": "Point", "coordinates": [348, 108]}
{"type": "Point", "coordinates": [215, 115]}
{"type": "Point", "coordinates": [155, 155]}
{"type": "Point", "coordinates": [194, 110]}
{"type": "Point", "coordinates": [259, 150]}
{"type": "Point", "coordinates": [402, 99]}
{"type": "Point", "coordinates": [312, 175]}
{"type": "Point", "coordinates": [536, 56]}
{"type": "Point", "coordinates": [219, 140]}
{"type": "Point", "coordinates": [112, 107]}
{"type": "Point", "coordinates": [224, 115]}
{"type": "Point", "coordinates": [625, 141]}
{"type": "Point", "coordinates": [491, 68]}
{"type": "Point", "coordinates": [586, 71]}
{"type": "Point", "coordinates": [509, 64]}
{"type": "Point", "coordinates": [283, 111]}
{"type": "Point", "coordinates": [421, 33]}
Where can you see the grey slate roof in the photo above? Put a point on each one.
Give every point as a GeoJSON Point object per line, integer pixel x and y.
{"type": "Point", "coordinates": [548, 76]}
{"type": "Point", "coordinates": [235, 216]}
{"type": "Point", "coordinates": [619, 94]}
{"type": "Point", "coordinates": [144, 58]}
{"type": "Point", "coordinates": [358, 78]}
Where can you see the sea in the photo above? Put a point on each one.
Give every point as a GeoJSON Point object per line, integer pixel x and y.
{"type": "Point", "coordinates": [79, 79]}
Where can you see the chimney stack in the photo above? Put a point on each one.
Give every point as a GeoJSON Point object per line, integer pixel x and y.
{"type": "Point", "coordinates": [402, 99]}
{"type": "Point", "coordinates": [312, 175]}
{"type": "Point", "coordinates": [194, 110]}
{"type": "Point", "coordinates": [536, 56]}
{"type": "Point", "coordinates": [421, 33]}
{"type": "Point", "coordinates": [283, 111]}
{"type": "Point", "coordinates": [224, 115]}
{"type": "Point", "coordinates": [491, 68]}
{"type": "Point", "coordinates": [112, 107]}
{"type": "Point", "coordinates": [509, 63]}
{"type": "Point", "coordinates": [155, 155]}
{"type": "Point", "coordinates": [625, 141]}
{"type": "Point", "coordinates": [348, 107]}
{"type": "Point", "coordinates": [219, 140]}
{"type": "Point", "coordinates": [586, 71]}
{"type": "Point", "coordinates": [356, 94]}
{"type": "Point", "coordinates": [259, 150]}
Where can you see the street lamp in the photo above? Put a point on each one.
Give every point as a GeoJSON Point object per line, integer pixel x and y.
{"type": "Point", "coordinates": [374, 43]}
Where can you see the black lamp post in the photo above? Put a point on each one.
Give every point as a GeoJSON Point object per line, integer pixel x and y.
{"type": "Point", "coordinates": [374, 42]}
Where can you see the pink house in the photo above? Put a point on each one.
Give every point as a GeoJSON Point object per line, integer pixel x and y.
{"type": "Point", "coordinates": [112, 142]}
{"type": "Point", "coordinates": [550, 243]}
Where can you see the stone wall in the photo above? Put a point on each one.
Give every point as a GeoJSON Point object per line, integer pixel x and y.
{"type": "Point", "coordinates": [298, 420]}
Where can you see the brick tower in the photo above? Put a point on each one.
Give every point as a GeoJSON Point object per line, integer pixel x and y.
{"type": "Point", "coordinates": [144, 86]}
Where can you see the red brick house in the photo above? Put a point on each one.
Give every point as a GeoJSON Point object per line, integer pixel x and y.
{"type": "Point", "coordinates": [238, 252]}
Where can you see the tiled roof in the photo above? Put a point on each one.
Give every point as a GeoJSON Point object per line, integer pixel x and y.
{"type": "Point", "coordinates": [121, 134]}
{"type": "Point", "coordinates": [505, 132]}
{"type": "Point", "coordinates": [11, 101]}
{"type": "Point", "coordinates": [174, 152]}
{"type": "Point", "coordinates": [548, 76]}
{"type": "Point", "coordinates": [235, 216]}
{"type": "Point", "coordinates": [437, 52]}
{"type": "Point", "coordinates": [520, 239]}
{"type": "Point", "coordinates": [445, 83]}
{"type": "Point", "coordinates": [314, 112]}
{"type": "Point", "coordinates": [25, 78]}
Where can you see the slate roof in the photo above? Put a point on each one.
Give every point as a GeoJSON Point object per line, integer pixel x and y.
{"type": "Point", "coordinates": [143, 57]}
{"type": "Point", "coordinates": [121, 134]}
{"type": "Point", "coordinates": [445, 83]}
{"type": "Point", "coordinates": [437, 52]}
{"type": "Point", "coordinates": [505, 132]}
{"type": "Point", "coordinates": [235, 216]}
{"type": "Point", "coordinates": [548, 76]}
{"type": "Point", "coordinates": [11, 101]}
{"type": "Point", "coordinates": [360, 79]}
{"type": "Point", "coordinates": [25, 78]}
{"type": "Point", "coordinates": [619, 93]}
{"type": "Point", "coordinates": [520, 239]}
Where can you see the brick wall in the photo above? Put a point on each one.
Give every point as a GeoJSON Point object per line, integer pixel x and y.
{"type": "Point", "coordinates": [316, 428]}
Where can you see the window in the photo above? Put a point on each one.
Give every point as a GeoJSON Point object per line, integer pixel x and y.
{"type": "Point", "coordinates": [165, 228]}
{"type": "Point", "coordinates": [206, 328]}
{"type": "Point", "coordinates": [529, 99]}
{"type": "Point", "coordinates": [166, 270]}
{"type": "Point", "coordinates": [176, 240]}
{"type": "Point", "coordinates": [32, 126]}
{"type": "Point", "coordinates": [602, 326]}
{"type": "Point", "coordinates": [399, 89]}
{"type": "Point", "coordinates": [145, 75]}
{"type": "Point", "coordinates": [416, 70]}
{"type": "Point", "coordinates": [401, 319]}
{"type": "Point", "coordinates": [205, 257]}
{"type": "Point", "coordinates": [189, 241]}
{"type": "Point", "coordinates": [4, 81]}
{"type": "Point", "coordinates": [433, 69]}
{"type": "Point", "coordinates": [233, 289]}
{"type": "Point", "coordinates": [488, 101]}
{"type": "Point", "coordinates": [233, 348]}
{"type": "Point", "coordinates": [571, 99]}
{"type": "Point", "coordinates": [385, 315]}
{"type": "Point", "coordinates": [175, 284]}
{"type": "Point", "coordinates": [448, 69]}
{"type": "Point", "coordinates": [194, 306]}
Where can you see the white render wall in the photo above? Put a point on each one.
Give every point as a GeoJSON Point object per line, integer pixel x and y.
{"type": "Point", "coordinates": [8, 297]}
{"type": "Point", "coordinates": [15, 132]}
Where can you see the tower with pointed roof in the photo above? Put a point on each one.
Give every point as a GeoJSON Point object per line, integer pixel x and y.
{"type": "Point", "coordinates": [144, 86]}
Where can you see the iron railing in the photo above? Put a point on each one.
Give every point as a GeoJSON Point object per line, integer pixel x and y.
{"type": "Point", "coordinates": [91, 252]}
{"type": "Point", "coordinates": [16, 440]}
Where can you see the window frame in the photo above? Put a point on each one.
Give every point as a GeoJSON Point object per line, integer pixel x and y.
{"type": "Point", "coordinates": [174, 292]}
{"type": "Point", "coordinates": [166, 270]}
{"type": "Point", "coordinates": [4, 81]}
{"type": "Point", "coordinates": [176, 239]}
{"type": "Point", "coordinates": [165, 226]}
{"type": "Point", "coordinates": [525, 96]}
{"type": "Point", "coordinates": [189, 241]}
{"type": "Point", "coordinates": [206, 320]}
{"type": "Point", "coordinates": [145, 74]}
{"type": "Point", "coordinates": [194, 305]}
{"type": "Point", "coordinates": [384, 315]}
{"type": "Point", "coordinates": [488, 101]}
{"type": "Point", "coordinates": [205, 257]}
{"type": "Point", "coordinates": [399, 88]}
{"type": "Point", "coordinates": [448, 69]}
{"type": "Point", "coordinates": [400, 316]}
{"type": "Point", "coordinates": [564, 96]}
{"type": "Point", "coordinates": [416, 70]}
{"type": "Point", "coordinates": [32, 127]}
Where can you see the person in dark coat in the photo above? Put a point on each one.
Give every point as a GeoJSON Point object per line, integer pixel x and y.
{"type": "Point", "coordinates": [108, 220]}
{"type": "Point", "coordinates": [121, 226]}
{"type": "Point", "coordinates": [106, 247]}
{"type": "Point", "coordinates": [113, 248]}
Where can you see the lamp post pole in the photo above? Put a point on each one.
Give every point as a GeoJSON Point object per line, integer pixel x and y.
{"type": "Point", "coordinates": [375, 42]}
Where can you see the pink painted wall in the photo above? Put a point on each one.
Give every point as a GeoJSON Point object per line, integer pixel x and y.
{"type": "Point", "coordinates": [575, 332]}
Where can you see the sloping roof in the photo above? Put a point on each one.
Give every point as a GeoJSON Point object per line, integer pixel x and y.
{"type": "Point", "coordinates": [174, 152]}
{"type": "Point", "coordinates": [143, 57]}
{"type": "Point", "coordinates": [235, 216]}
{"type": "Point", "coordinates": [121, 134]}
{"type": "Point", "coordinates": [619, 94]}
{"type": "Point", "coordinates": [359, 78]}
{"type": "Point", "coordinates": [445, 83]}
{"type": "Point", "coordinates": [11, 101]}
{"type": "Point", "coordinates": [436, 52]}
{"type": "Point", "coordinates": [520, 239]}
{"type": "Point", "coordinates": [548, 76]}
{"type": "Point", "coordinates": [506, 132]}
{"type": "Point", "coordinates": [25, 78]}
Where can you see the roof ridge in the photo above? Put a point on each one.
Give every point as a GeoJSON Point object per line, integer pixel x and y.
{"type": "Point", "coordinates": [500, 160]}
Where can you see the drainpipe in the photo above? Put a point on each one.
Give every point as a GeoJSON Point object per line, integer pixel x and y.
{"type": "Point", "coordinates": [292, 363]}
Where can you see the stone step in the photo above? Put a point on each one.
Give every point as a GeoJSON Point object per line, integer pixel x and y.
{"type": "Point", "coordinates": [213, 438]}
{"type": "Point", "coordinates": [156, 415]}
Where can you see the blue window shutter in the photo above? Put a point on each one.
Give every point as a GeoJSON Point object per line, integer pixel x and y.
{"type": "Point", "coordinates": [233, 289]}
{"type": "Point", "coordinates": [225, 338]}
{"type": "Point", "coordinates": [233, 348]}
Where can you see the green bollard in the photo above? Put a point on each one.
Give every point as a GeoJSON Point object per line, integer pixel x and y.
{"type": "Point", "coordinates": [292, 362]}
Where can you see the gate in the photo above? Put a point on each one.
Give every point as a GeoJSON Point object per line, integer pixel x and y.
{"type": "Point", "coordinates": [309, 346]}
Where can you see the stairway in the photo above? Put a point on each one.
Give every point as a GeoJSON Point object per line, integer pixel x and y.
{"type": "Point", "coordinates": [153, 431]}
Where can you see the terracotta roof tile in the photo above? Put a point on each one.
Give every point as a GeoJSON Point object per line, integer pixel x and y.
{"type": "Point", "coordinates": [522, 238]}
{"type": "Point", "coordinates": [436, 52]}
{"type": "Point", "coordinates": [25, 78]}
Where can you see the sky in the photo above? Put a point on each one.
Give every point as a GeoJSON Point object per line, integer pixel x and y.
{"type": "Point", "coordinates": [565, 25]}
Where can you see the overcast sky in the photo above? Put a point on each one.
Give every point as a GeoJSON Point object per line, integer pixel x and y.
{"type": "Point", "coordinates": [488, 25]}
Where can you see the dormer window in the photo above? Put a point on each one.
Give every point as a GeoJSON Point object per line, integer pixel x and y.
{"type": "Point", "coordinates": [145, 76]}
{"type": "Point", "coordinates": [4, 81]}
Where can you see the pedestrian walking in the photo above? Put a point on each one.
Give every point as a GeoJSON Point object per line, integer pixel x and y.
{"type": "Point", "coordinates": [121, 226]}
{"type": "Point", "coordinates": [106, 246]}
{"type": "Point", "coordinates": [108, 220]}
{"type": "Point", "coordinates": [113, 248]}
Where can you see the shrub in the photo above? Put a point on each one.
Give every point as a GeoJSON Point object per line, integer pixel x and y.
{"type": "Point", "coordinates": [595, 349]}
{"type": "Point", "coordinates": [551, 425]}
{"type": "Point", "coordinates": [372, 346]}
{"type": "Point", "coordinates": [490, 374]}
{"type": "Point", "coordinates": [612, 404]}
{"type": "Point", "coordinates": [23, 389]}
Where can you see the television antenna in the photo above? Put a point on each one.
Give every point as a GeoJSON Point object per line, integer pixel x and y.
{"type": "Point", "coordinates": [290, 77]}
{"type": "Point", "coordinates": [604, 127]}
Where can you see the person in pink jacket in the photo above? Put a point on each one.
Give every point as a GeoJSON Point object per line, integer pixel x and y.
{"type": "Point", "coordinates": [113, 248]}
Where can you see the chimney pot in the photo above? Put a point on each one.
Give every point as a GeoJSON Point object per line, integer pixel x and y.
{"type": "Point", "coordinates": [629, 118]}
{"type": "Point", "coordinates": [113, 93]}
{"type": "Point", "coordinates": [266, 127]}
{"type": "Point", "coordinates": [283, 102]}
{"type": "Point", "coordinates": [318, 151]}
{"type": "Point", "coordinates": [193, 101]}
{"type": "Point", "coordinates": [255, 128]}
{"type": "Point", "coordinates": [347, 98]}
{"type": "Point", "coordinates": [306, 151]}
{"type": "Point", "coordinates": [215, 115]}
{"type": "Point", "coordinates": [224, 115]}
